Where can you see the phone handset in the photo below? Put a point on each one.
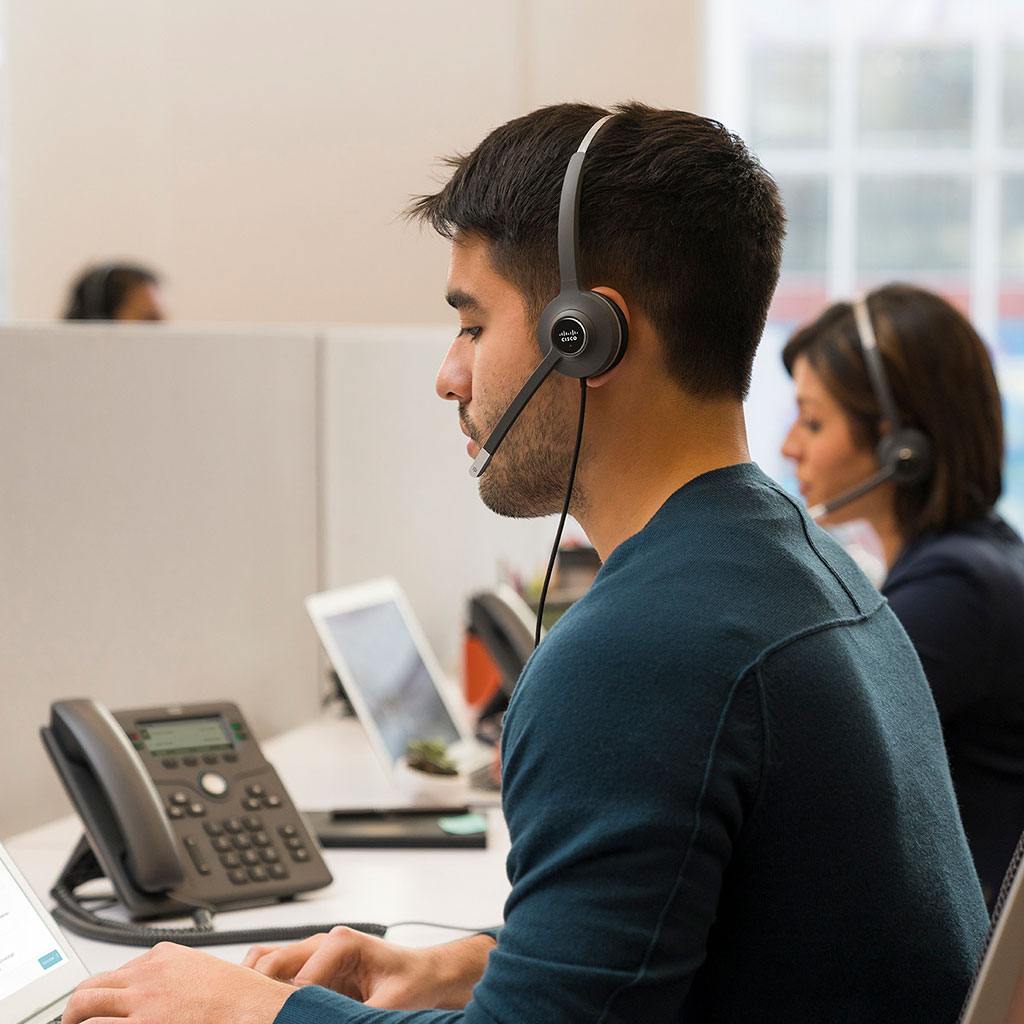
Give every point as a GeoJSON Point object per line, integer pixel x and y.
{"type": "Point", "coordinates": [109, 784]}
{"type": "Point", "coordinates": [504, 624]}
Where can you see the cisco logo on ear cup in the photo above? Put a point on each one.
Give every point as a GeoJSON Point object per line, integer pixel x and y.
{"type": "Point", "coordinates": [584, 330]}
{"type": "Point", "coordinates": [569, 336]}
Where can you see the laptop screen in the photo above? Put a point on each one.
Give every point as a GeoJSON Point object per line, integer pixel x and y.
{"type": "Point", "coordinates": [380, 660]}
{"type": "Point", "coordinates": [27, 947]}
{"type": "Point", "coordinates": [31, 950]}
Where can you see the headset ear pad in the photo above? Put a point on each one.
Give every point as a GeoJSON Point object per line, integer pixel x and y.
{"type": "Point", "coordinates": [623, 333]}
{"type": "Point", "coordinates": [587, 328]}
{"type": "Point", "coordinates": [908, 452]}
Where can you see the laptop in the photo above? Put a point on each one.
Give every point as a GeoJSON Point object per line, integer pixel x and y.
{"type": "Point", "coordinates": [393, 680]}
{"type": "Point", "coordinates": [997, 989]}
{"type": "Point", "coordinates": [38, 968]}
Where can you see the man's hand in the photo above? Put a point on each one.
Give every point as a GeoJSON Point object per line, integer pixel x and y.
{"type": "Point", "coordinates": [172, 984]}
{"type": "Point", "coordinates": [376, 972]}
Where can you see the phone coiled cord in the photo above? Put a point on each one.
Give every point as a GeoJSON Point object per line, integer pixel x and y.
{"type": "Point", "coordinates": [70, 913]}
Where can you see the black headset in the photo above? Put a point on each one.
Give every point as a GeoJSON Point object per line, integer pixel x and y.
{"type": "Point", "coordinates": [586, 328]}
{"type": "Point", "coordinates": [906, 451]}
{"type": "Point", "coordinates": [581, 333]}
{"type": "Point", "coordinates": [904, 455]}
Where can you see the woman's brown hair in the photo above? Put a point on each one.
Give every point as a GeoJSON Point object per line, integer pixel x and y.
{"type": "Point", "coordinates": [943, 384]}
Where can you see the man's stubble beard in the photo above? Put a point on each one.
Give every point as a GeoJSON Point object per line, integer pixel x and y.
{"type": "Point", "coordinates": [528, 475]}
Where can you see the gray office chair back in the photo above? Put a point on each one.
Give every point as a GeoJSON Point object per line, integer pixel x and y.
{"type": "Point", "coordinates": [996, 995]}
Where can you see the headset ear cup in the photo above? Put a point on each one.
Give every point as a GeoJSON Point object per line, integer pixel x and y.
{"type": "Point", "coordinates": [908, 452]}
{"type": "Point", "coordinates": [619, 332]}
{"type": "Point", "coordinates": [587, 329]}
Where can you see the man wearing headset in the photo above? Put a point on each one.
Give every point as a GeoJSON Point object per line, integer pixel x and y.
{"type": "Point", "coordinates": [723, 773]}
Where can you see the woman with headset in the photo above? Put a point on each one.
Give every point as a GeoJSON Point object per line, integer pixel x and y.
{"type": "Point", "coordinates": [899, 424]}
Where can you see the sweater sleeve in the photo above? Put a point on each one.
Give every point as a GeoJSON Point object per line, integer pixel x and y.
{"type": "Point", "coordinates": [316, 1005]}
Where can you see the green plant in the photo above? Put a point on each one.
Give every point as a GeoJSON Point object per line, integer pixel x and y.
{"type": "Point", "coordinates": [430, 756]}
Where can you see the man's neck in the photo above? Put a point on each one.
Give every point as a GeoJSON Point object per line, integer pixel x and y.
{"type": "Point", "coordinates": [631, 474]}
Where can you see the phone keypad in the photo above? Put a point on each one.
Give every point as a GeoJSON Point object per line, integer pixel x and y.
{"type": "Point", "coordinates": [194, 851]}
{"type": "Point", "coordinates": [243, 846]}
{"type": "Point", "coordinates": [225, 806]}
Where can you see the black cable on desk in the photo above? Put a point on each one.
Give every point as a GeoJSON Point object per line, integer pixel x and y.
{"type": "Point", "coordinates": [71, 913]}
{"type": "Point", "coordinates": [448, 927]}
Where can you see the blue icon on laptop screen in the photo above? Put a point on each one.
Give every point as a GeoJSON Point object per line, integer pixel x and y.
{"type": "Point", "coordinates": [51, 958]}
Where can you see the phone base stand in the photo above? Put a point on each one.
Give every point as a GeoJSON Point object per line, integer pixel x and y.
{"type": "Point", "coordinates": [72, 914]}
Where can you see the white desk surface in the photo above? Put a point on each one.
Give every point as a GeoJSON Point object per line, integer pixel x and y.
{"type": "Point", "coordinates": [326, 763]}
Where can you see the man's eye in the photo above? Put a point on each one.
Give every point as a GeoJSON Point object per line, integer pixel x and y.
{"type": "Point", "coordinates": [473, 332]}
{"type": "Point", "coordinates": [812, 425]}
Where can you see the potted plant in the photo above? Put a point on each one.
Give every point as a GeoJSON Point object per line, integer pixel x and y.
{"type": "Point", "coordinates": [429, 774]}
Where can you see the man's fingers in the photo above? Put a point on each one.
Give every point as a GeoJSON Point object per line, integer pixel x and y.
{"type": "Point", "coordinates": [256, 953]}
{"type": "Point", "coordinates": [90, 1003]}
{"type": "Point", "coordinates": [281, 962]}
{"type": "Point", "coordinates": [337, 962]}
{"type": "Point", "coordinates": [108, 979]}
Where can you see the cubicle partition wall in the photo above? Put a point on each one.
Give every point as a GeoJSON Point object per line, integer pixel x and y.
{"type": "Point", "coordinates": [398, 497]}
{"type": "Point", "coordinates": [158, 528]}
{"type": "Point", "coordinates": [171, 494]}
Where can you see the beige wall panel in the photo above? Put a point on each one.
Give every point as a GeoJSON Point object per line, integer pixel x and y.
{"type": "Point", "coordinates": [398, 497]}
{"type": "Point", "coordinates": [606, 51]}
{"type": "Point", "coordinates": [158, 530]}
{"type": "Point", "coordinates": [260, 153]}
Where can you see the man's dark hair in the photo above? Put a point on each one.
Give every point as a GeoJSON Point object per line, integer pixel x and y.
{"type": "Point", "coordinates": [676, 214]}
{"type": "Point", "coordinates": [98, 292]}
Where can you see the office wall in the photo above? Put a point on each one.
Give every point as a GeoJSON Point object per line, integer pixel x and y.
{"type": "Point", "coordinates": [158, 530]}
{"type": "Point", "coordinates": [398, 497]}
{"type": "Point", "coordinates": [259, 153]}
{"type": "Point", "coordinates": [171, 494]}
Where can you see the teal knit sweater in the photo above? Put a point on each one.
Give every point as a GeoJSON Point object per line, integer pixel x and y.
{"type": "Point", "coordinates": [727, 795]}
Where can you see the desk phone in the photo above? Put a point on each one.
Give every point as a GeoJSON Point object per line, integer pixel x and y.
{"type": "Point", "coordinates": [180, 806]}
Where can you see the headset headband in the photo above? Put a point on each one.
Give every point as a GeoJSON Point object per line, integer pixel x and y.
{"type": "Point", "coordinates": [905, 454]}
{"type": "Point", "coordinates": [569, 210]}
{"type": "Point", "coordinates": [873, 361]}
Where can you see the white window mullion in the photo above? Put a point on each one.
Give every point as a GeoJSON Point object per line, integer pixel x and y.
{"type": "Point", "coordinates": [985, 233]}
{"type": "Point", "coordinates": [728, 58]}
{"type": "Point", "coordinates": [842, 244]}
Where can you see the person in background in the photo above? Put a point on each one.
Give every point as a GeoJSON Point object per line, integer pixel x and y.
{"type": "Point", "coordinates": [116, 291]}
{"type": "Point", "coordinates": [955, 569]}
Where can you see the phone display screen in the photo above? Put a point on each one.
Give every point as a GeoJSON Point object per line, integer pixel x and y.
{"type": "Point", "coordinates": [185, 736]}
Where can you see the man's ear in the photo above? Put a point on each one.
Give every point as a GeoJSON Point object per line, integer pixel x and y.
{"type": "Point", "coordinates": [616, 297]}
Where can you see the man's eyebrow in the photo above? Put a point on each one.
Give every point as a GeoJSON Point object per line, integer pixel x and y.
{"type": "Point", "coordinates": [461, 300]}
